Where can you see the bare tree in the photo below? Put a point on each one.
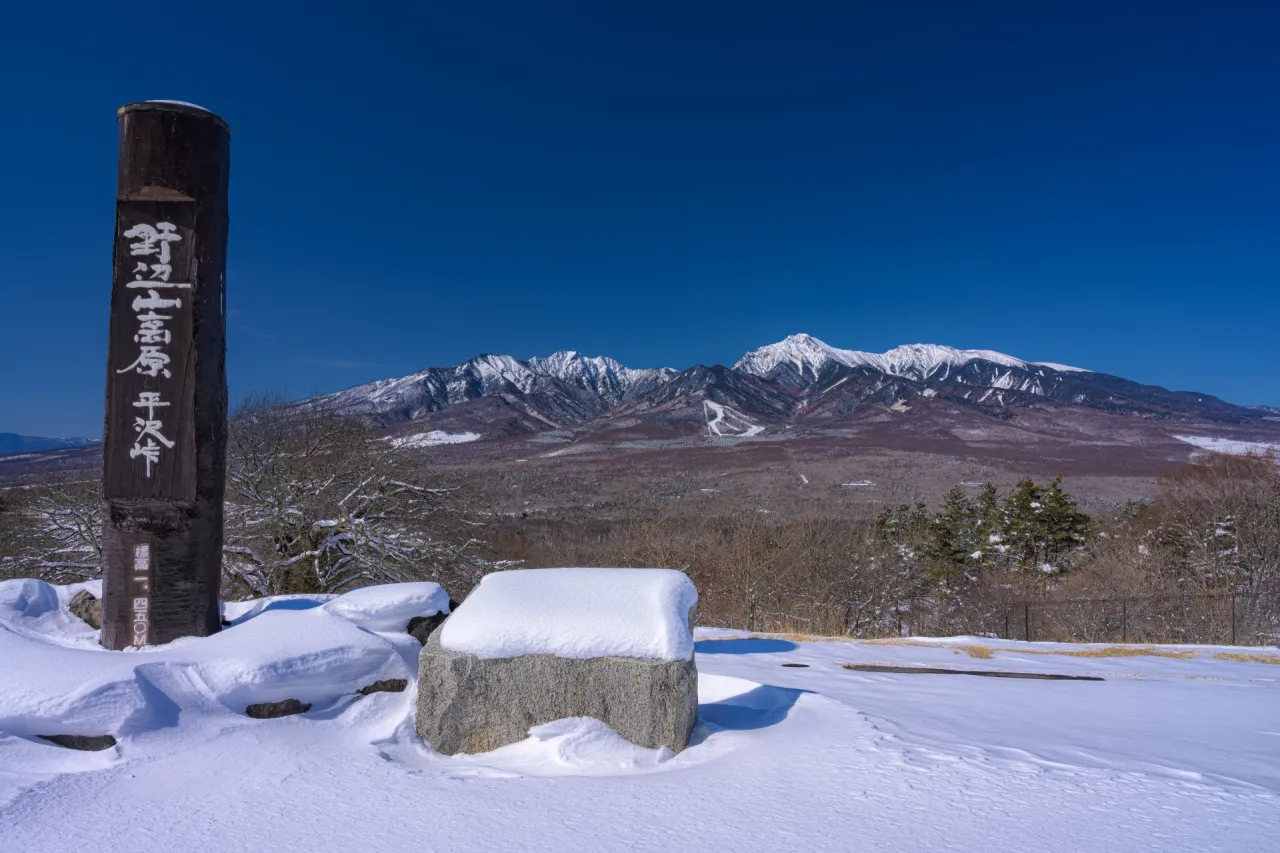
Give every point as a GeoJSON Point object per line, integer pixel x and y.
{"type": "Point", "coordinates": [53, 530]}
{"type": "Point", "coordinates": [316, 503]}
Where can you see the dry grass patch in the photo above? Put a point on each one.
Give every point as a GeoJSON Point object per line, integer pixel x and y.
{"type": "Point", "coordinates": [972, 650]}
{"type": "Point", "coordinates": [802, 638]}
{"type": "Point", "coordinates": [1116, 652]}
{"type": "Point", "coordinates": [986, 652]}
{"type": "Point", "coordinates": [1248, 657]}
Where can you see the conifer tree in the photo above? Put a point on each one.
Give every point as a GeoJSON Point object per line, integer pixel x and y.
{"type": "Point", "coordinates": [951, 541]}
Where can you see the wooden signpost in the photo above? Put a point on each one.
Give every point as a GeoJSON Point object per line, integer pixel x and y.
{"type": "Point", "coordinates": [164, 444]}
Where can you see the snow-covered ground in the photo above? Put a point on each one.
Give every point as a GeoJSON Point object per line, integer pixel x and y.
{"type": "Point", "coordinates": [1230, 445]}
{"type": "Point", "coordinates": [433, 438]}
{"type": "Point", "coordinates": [723, 421]}
{"type": "Point", "coordinates": [793, 751]}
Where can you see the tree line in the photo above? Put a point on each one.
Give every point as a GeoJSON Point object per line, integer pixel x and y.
{"type": "Point", "coordinates": [317, 503]}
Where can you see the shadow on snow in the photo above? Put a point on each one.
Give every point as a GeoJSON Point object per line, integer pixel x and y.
{"type": "Point", "coordinates": [758, 708]}
{"type": "Point", "coordinates": [744, 646]}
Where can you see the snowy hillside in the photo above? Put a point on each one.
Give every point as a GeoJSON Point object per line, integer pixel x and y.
{"type": "Point", "coordinates": [1173, 749]}
{"type": "Point", "coordinates": [563, 387]}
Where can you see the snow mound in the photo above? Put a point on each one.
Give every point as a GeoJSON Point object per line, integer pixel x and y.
{"type": "Point", "coordinates": [238, 612]}
{"type": "Point", "coordinates": [34, 608]}
{"type": "Point", "coordinates": [576, 613]}
{"type": "Point", "coordinates": [433, 438]}
{"type": "Point", "coordinates": [576, 746]}
{"type": "Point", "coordinates": [389, 607]}
{"type": "Point", "coordinates": [58, 680]}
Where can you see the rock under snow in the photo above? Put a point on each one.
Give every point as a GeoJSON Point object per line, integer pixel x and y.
{"type": "Point", "coordinates": [472, 704]}
{"type": "Point", "coordinates": [530, 647]}
{"type": "Point", "coordinates": [88, 608]}
{"type": "Point", "coordinates": [576, 613]}
{"type": "Point", "coordinates": [274, 710]}
{"type": "Point", "coordinates": [82, 743]}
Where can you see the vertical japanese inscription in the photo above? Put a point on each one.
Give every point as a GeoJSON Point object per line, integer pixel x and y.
{"type": "Point", "coordinates": [165, 435]}
{"type": "Point", "coordinates": [140, 593]}
{"type": "Point", "coordinates": [151, 353]}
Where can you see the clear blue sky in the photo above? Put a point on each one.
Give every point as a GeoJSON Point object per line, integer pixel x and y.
{"type": "Point", "coordinates": [1096, 183]}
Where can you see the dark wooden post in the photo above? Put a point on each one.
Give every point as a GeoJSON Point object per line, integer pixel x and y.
{"type": "Point", "coordinates": [1233, 618]}
{"type": "Point", "coordinates": [164, 443]}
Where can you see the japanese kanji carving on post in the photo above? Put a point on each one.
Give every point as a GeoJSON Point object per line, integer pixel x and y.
{"type": "Point", "coordinates": [152, 338]}
{"type": "Point", "coordinates": [164, 441]}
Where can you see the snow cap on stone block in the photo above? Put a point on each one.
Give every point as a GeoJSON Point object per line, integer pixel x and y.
{"type": "Point", "coordinates": [576, 613]}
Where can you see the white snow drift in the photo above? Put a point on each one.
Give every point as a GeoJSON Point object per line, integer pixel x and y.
{"type": "Point", "coordinates": [1165, 753]}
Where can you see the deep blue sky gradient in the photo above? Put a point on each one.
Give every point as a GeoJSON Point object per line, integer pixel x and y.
{"type": "Point", "coordinates": [668, 183]}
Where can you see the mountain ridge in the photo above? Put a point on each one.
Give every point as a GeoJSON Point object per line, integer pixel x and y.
{"type": "Point", "coordinates": [799, 380]}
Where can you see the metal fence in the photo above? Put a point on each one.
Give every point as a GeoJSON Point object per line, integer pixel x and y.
{"type": "Point", "coordinates": [1243, 620]}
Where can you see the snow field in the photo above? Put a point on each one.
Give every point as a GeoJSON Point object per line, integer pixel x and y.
{"type": "Point", "coordinates": [723, 421]}
{"type": "Point", "coordinates": [1229, 445]}
{"type": "Point", "coordinates": [1167, 753]}
{"type": "Point", "coordinates": [433, 438]}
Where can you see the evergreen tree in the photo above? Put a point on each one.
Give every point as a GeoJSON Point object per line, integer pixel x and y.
{"type": "Point", "coordinates": [1044, 527]}
{"type": "Point", "coordinates": [952, 539]}
{"type": "Point", "coordinates": [1066, 527]}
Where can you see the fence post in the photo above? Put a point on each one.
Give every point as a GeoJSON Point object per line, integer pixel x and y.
{"type": "Point", "coordinates": [1026, 620]}
{"type": "Point", "coordinates": [1233, 618]}
{"type": "Point", "coordinates": [1124, 620]}
{"type": "Point", "coordinates": [1006, 623]}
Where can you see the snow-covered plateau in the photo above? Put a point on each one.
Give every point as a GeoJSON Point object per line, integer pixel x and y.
{"type": "Point", "coordinates": [1230, 446]}
{"type": "Point", "coordinates": [433, 438]}
{"type": "Point", "coordinates": [1176, 748]}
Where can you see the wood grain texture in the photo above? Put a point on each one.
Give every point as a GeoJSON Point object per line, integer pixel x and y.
{"type": "Point", "coordinates": [173, 168]}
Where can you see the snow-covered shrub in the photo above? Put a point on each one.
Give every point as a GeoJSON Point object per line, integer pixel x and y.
{"type": "Point", "coordinates": [315, 503]}
{"type": "Point", "coordinates": [52, 529]}
{"type": "Point", "coordinates": [1213, 527]}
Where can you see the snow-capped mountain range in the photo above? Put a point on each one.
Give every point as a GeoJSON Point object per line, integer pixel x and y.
{"type": "Point", "coordinates": [806, 356]}
{"type": "Point", "coordinates": [797, 381]}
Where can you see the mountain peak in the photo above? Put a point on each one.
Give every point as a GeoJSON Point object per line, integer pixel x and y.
{"type": "Point", "coordinates": [802, 353]}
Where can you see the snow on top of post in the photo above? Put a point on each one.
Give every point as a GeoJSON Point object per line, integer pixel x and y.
{"type": "Point", "coordinates": [576, 613]}
{"type": "Point", "coordinates": [174, 106]}
{"type": "Point", "coordinates": [180, 104]}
